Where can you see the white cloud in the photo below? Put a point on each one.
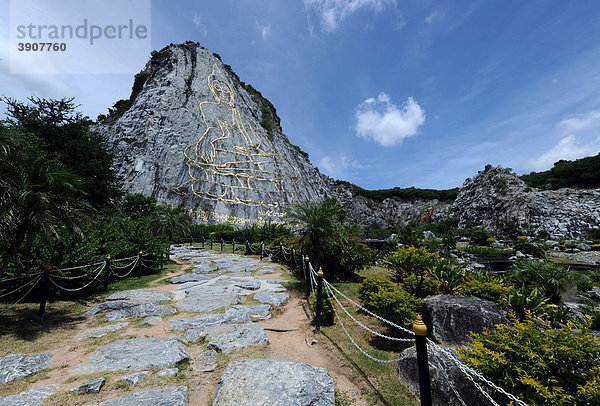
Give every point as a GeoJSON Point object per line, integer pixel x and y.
{"type": "Point", "coordinates": [435, 15]}
{"type": "Point", "coordinates": [264, 30]}
{"type": "Point", "coordinates": [338, 165]}
{"type": "Point", "coordinates": [567, 148]}
{"type": "Point", "coordinates": [580, 122]}
{"type": "Point", "coordinates": [198, 22]}
{"type": "Point", "coordinates": [385, 123]}
{"type": "Point", "coordinates": [333, 12]}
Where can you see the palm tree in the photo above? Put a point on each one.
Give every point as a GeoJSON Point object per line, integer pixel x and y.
{"type": "Point", "coordinates": [170, 221]}
{"type": "Point", "coordinates": [38, 199]}
{"type": "Point", "coordinates": [317, 222]}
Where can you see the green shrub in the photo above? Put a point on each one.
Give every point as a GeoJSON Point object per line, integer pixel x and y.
{"type": "Point", "coordinates": [327, 314]}
{"type": "Point", "coordinates": [541, 367]}
{"type": "Point", "coordinates": [529, 248]}
{"type": "Point", "coordinates": [385, 299]}
{"type": "Point", "coordinates": [411, 261]}
{"type": "Point", "coordinates": [477, 235]}
{"type": "Point", "coordinates": [343, 258]}
{"type": "Point", "coordinates": [420, 286]}
{"type": "Point", "coordinates": [448, 276]}
{"type": "Point", "coordinates": [477, 250]}
{"type": "Point", "coordinates": [495, 291]}
{"type": "Point", "coordinates": [490, 240]}
{"type": "Point", "coordinates": [549, 278]}
{"type": "Point", "coordinates": [592, 314]}
{"type": "Point", "coordinates": [584, 284]}
{"type": "Point", "coordinates": [524, 302]}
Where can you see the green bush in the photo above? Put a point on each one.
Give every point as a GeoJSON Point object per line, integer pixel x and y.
{"type": "Point", "coordinates": [420, 286]}
{"type": "Point", "coordinates": [541, 367]}
{"type": "Point", "coordinates": [549, 278]}
{"type": "Point", "coordinates": [448, 276]}
{"type": "Point", "coordinates": [411, 261]}
{"type": "Point", "coordinates": [327, 314]}
{"type": "Point", "coordinates": [477, 250]}
{"type": "Point", "coordinates": [495, 291]}
{"type": "Point", "coordinates": [524, 302]}
{"type": "Point", "coordinates": [343, 258]}
{"type": "Point", "coordinates": [584, 284]}
{"type": "Point", "coordinates": [477, 235]}
{"type": "Point", "coordinates": [385, 299]}
{"type": "Point", "coordinates": [529, 248]}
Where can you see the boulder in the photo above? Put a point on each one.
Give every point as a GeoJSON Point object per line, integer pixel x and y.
{"type": "Point", "coordinates": [450, 319]}
{"type": "Point", "coordinates": [249, 285]}
{"type": "Point", "coordinates": [134, 378]}
{"type": "Point", "coordinates": [167, 372]}
{"type": "Point", "coordinates": [152, 320]}
{"type": "Point", "coordinates": [92, 386]}
{"type": "Point", "coordinates": [171, 396]}
{"type": "Point", "coordinates": [136, 353]}
{"type": "Point", "coordinates": [228, 337]}
{"type": "Point", "coordinates": [274, 382]}
{"type": "Point", "coordinates": [32, 397]}
{"type": "Point", "coordinates": [18, 366]}
{"type": "Point", "coordinates": [448, 383]}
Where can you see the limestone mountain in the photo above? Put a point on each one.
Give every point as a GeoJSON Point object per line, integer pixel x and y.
{"type": "Point", "coordinates": [193, 134]}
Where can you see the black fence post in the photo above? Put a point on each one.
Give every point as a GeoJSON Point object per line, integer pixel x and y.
{"type": "Point", "coordinates": [202, 242]}
{"type": "Point", "coordinates": [221, 245]}
{"type": "Point", "coordinates": [211, 242]}
{"type": "Point", "coordinates": [319, 298]}
{"type": "Point", "coordinates": [262, 249]}
{"type": "Point", "coordinates": [107, 271]}
{"type": "Point", "coordinates": [248, 252]}
{"type": "Point", "coordinates": [281, 257]}
{"type": "Point", "coordinates": [161, 261]}
{"type": "Point", "coordinates": [138, 270]}
{"type": "Point", "coordinates": [420, 330]}
{"type": "Point", "coordinates": [293, 260]}
{"type": "Point", "coordinates": [45, 289]}
{"type": "Point", "coordinates": [307, 275]}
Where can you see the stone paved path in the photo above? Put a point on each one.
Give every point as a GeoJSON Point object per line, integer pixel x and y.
{"type": "Point", "coordinates": [170, 345]}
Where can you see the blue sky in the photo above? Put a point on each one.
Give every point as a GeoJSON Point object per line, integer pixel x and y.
{"type": "Point", "coordinates": [387, 93]}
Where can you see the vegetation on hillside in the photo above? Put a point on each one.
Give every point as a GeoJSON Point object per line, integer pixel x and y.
{"type": "Point", "coordinates": [580, 173]}
{"type": "Point", "coordinates": [411, 193]}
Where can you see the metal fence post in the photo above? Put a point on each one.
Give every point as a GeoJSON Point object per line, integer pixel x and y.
{"type": "Point", "coordinates": [211, 242]}
{"type": "Point", "coordinates": [307, 275]}
{"type": "Point", "coordinates": [293, 260]}
{"type": "Point", "coordinates": [262, 249]}
{"type": "Point", "coordinates": [420, 330]}
{"type": "Point", "coordinates": [203, 242]}
{"type": "Point", "coordinates": [139, 265]}
{"type": "Point", "coordinates": [247, 248]}
{"type": "Point", "coordinates": [233, 248]}
{"type": "Point", "coordinates": [161, 261]}
{"type": "Point", "coordinates": [107, 270]}
{"type": "Point", "coordinates": [319, 298]}
{"type": "Point", "coordinates": [221, 245]}
{"type": "Point", "coordinates": [45, 289]}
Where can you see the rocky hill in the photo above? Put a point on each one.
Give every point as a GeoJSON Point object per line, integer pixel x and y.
{"type": "Point", "coordinates": [498, 201]}
{"type": "Point", "coordinates": [193, 134]}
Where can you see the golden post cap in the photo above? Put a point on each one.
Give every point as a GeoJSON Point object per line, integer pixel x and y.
{"type": "Point", "coordinates": [141, 252]}
{"type": "Point", "coordinates": [306, 258]}
{"type": "Point", "coordinates": [320, 273]}
{"type": "Point", "coordinates": [419, 327]}
{"type": "Point", "coordinates": [108, 257]}
{"type": "Point", "coordinates": [47, 267]}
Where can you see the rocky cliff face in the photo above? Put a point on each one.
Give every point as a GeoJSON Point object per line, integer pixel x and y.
{"type": "Point", "coordinates": [195, 135]}
{"type": "Point", "coordinates": [498, 201]}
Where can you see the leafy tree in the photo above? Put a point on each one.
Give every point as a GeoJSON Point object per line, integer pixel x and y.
{"type": "Point", "coordinates": [64, 134]}
{"type": "Point", "coordinates": [549, 278]}
{"type": "Point", "coordinates": [137, 205]}
{"type": "Point", "coordinates": [317, 222]}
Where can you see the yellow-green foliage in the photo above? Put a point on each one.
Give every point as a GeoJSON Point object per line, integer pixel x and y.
{"type": "Point", "coordinates": [551, 367]}
{"type": "Point", "coordinates": [522, 238]}
{"type": "Point", "coordinates": [495, 291]}
{"type": "Point", "coordinates": [596, 247]}
{"type": "Point", "coordinates": [411, 261]}
{"type": "Point", "coordinates": [383, 298]}
{"type": "Point", "coordinates": [491, 240]}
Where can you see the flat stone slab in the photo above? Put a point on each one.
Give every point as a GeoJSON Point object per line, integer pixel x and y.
{"type": "Point", "coordinates": [265, 271]}
{"type": "Point", "coordinates": [101, 331]}
{"type": "Point", "coordinates": [233, 314]}
{"type": "Point", "coordinates": [32, 397]}
{"type": "Point", "coordinates": [208, 302]}
{"type": "Point", "coordinates": [134, 378]}
{"type": "Point", "coordinates": [171, 396]}
{"type": "Point", "coordinates": [228, 337]}
{"type": "Point", "coordinates": [274, 382]}
{"type": "Point", "coordinates": [136, 353]}
{"type": "Point", "coordinates": [18, 366]}
{"type": "Point", "coordinates": [92, 386]}
{"type": "Point", "coordinates": [117, 310]}
{"type": "Point", "coordinates": [142, 296]}
{"type": "Point", "coordinates": [167, 372]}
{"type": "Point", "coordinates": [189, 277]}
{"type": "Point", "coordinates": [249, 285]}
{"type": "Point", "coordinates": [269, 296]}
{"type": "Point", "coordinates": [206, 361]}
